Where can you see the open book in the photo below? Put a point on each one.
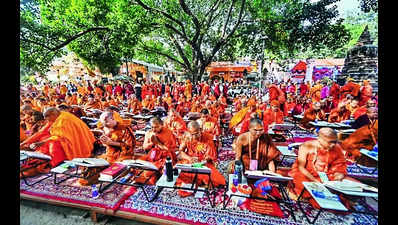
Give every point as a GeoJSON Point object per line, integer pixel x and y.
{"type": "Point", "coordinates": [89, 162]}
{"type": "Point", "coordinates": [259, 174]}
{"type": "Point", "coordinates": [35, 155]}
{"type": "Point", "coordinates": [283, 126]}
{"type": "Point", "coordinates": [139, 163]}
{"type": "Point", "coordinates": [350, 186]}
{"type": "Point", "coordinates": [191, 168]}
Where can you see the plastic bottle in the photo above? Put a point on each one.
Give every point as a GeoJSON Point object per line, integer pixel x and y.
{"type": "Point", "coordinates": [169, 169]}
{"type": "Point", "coordinates": [94, 191]}
{"type": "Point", "coordinates": [238, 170]}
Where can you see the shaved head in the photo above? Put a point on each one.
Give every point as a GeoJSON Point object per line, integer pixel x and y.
{"type": "Point", "coordinates": [327, 132]}
{"type": "Point", "coordinates": [193, 125]}
{"type": "Point", "coordinates": [254, 122]}
{"type": "Point", "coordinates": [156, 120]}
{"type": "Point", "coordinates": [51, 114]}
{"type": "Point", "coordinates": [27, 108]}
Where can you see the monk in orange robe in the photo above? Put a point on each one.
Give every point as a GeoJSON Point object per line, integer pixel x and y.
{"type": "Point", "coordinates": [160, 142]}
{"type": "Point", "coordinates": [339, 114]}
{"type": "Point", "coordinates": [209, 123]}
{"type": "Point", "coordinates": [289, 106]}
{"type": "Point", "coordinates": [65, 137]}
{"type": "Point", "coordinates": [321, 155]}
{"type": "Point", "coordinates": [118, 138]}
{"type": "Point", "coordinates": [198, 146]}
{"type": "Point", "coordinates": [255, 145]}
{"type": "Point", "coordinates": [92, 103]}
{"type": "Point", "coordinates": [365, 137]}
{"type": "Point", "coordinates": [273, 115]}
{"type": "Point", "coordinates": [363, 109]}
{"type": "Point", "coordinates": [134, 105]}
{"type": "Point", "coordinates": [365, 92]}
{"type": "Point", "coordinates": [63, 89]}
{"type": "Point", "coordinates": [353, 106]}
{"type": "Point", "coordinates": [98, 91]}
{"type": "Point", "coordinates": [351, 88]}
{"type": "Point", "coordinates": [148, 103]}
{"type": "Point", "coordinates": [175, 123]}
{"type": "Point", "coordinates": [315, 91]}
{"type": "Point", "coordinates": [22, 135]}
{"type": "Point", "coordinates": [188, 90]}
{"type": "Point", "coordinates": [312, 114]}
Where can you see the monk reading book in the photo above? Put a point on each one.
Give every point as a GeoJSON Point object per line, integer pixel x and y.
{"type": "Point", "coordinates": [323, 155]}
{"type": "Point", "coordinates": [197, 147]}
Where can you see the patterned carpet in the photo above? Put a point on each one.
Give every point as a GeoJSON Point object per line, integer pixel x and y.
{"type": "Point", "coordinates": [188, 210]}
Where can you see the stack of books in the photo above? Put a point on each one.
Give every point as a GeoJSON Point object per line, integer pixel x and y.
{"type": "Point", "coordinates": [112, 172]}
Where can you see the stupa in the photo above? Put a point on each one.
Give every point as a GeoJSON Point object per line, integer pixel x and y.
{"type": "Point", "coordinates": [361, 61]}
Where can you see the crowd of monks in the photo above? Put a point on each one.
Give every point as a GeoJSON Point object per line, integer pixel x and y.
{"type": "Point", "coordinates": [50, 122]}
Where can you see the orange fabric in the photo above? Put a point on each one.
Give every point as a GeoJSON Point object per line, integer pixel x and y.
{"type": "Point", "coordinates": [125, 135]}
{"type": "Point", "coordinates": [311, 115]}
{"type": "Point", "coordinates": [75, 137]}
{"type": "Point", "coordinates": [202, 149]}
{"type": "Point", "coordinates": [330, 162]}
{"type": "Point", "coordinates": [360, 111]}
{"type": "Point", "coordinates": [238, 117]}
{"type": "Point", "coordinates": [134, 106]}
{"type": "Point", "coordinates": [267, 153]}
{"type": "Point", "coordinates": [336, 116]}
{"type": "Point", "coordinates": [148, 104]}
{"type": "Point", "coordinates": [176, 125]}
{"type": "Point", "coordinates": [272, 117]}
{"type": "Point", "coordinates": [22, 135]}
{"type": "Point", "coordinates": [361, 138]}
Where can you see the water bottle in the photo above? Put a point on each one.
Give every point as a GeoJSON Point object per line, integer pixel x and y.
{"type": "Point", "coordinates": [125, 178]}
{"type": "Point", "coordinates": [94, 191]}
{"type": "Point", "coordinates": [376, 148]}
{"type": "Point", "coordinates": [169, 169]}
{"type": "Point", "coordinates": [238, 170]}
{"type": "Point", "coordinates": [235, 180]}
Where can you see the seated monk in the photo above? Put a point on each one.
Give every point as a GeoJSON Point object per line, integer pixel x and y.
{"type": "Point", "coordinates": [353, 106]}
{"type": "Point", "coordinates": [255, 145]}
{"type": "Point", "coordinates": [22, 135]}
{"type": "Point", "coordinates": [273, 115]}
{"type": "Point", "coordinates": [365, 137]}
{"type": "Point", "coordinates": [363, 109]}
{"type": "Point", "coordinates": [312, 114]}
{"type": "Point", "coordinates": [92, 103]}
{"type": "Point", "coordinates": [148, 103]}
{"type": "Point", "coordinates": [321, 155]}
{"type": "Point", "coordinates": [134, 105]}
{"type": "Point", "coordinates": [208, 123]}
{"type": "Point", "coordinates": [160, 142]}
{"type": "Point", "coordinates": [198, 147]}
{"type": "Point", "coordinates": [27, 120]}
{"type": "Point", "coordinates": [65, 137]}
{"type": "Point", "coordinates": [118, 139]}
{"type": "Point", "coordinates": [175, 123]}
{"type": "Point", "coordinates": [370, 115]}
{"type": "Point", "coordinates": [339, 114]}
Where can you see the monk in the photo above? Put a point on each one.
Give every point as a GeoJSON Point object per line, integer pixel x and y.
{"type": "Point", "coordinates": [175, 123]}
{"type": "Point", "coordinates": [134, 105]}
{"type": "Point", "coordinates": [315, 91]}
{"type": "Point", "coordinates": [339, 114]}
{"type": "Point", "coordinates": [273, 115]}
{"type": "Point", "coordinates": [209, 123]}
{"type": "Point", "coordinates": [255, 145]}
{"type": "Point", "coordinates": [321, 155]}
{"type": "Point", "coordinates": [161, 142]}
{"type": "Point", "coordinates": [199, 147]}
{"type": "Point", "coordinates": [353, 106]}
{"type": "Point", "coordinates": [64, 137]}
{"type": "Point", "coordinates": [365, 92]}
{"type": "Point", "coordinates": [363, 109]}
{"type": "Point", "coordinates": [312, 114]}
{"type": "Point", "coordinates": [27, 120]}
{"type": "Point", "coordinates": [364, 137]}
{"type": "Point", "coordinates": [148, 103]}
{"type": "Point", "coordinates": [118, 139]}
{"type": "Point", "coordinates": [351, 88]}
{"type": "Point", "coordinates": [92, 103]}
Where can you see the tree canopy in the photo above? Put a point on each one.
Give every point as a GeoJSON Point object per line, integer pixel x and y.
{"type": "Point", "coordinates": [187, 33]}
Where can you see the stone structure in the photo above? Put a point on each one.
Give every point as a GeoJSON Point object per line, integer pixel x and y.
{"type": "Point", "coordinates": [361, 61]}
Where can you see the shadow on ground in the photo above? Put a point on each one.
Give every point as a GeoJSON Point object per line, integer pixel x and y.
{"type": "Point", "coordinates": [36, 213]}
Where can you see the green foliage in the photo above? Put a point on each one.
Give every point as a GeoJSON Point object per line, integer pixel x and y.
{"type": "Point", "coordinates": [189, 33]}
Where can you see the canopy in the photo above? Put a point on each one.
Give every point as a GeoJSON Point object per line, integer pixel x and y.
{"type": "Point", "coordinates": [300, 67]}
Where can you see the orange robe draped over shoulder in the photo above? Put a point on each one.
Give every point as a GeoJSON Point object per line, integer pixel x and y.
{"type": "Point", "coordinates": [74, 135]}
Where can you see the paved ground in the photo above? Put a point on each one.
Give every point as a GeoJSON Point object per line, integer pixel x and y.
{"type": "Point", "coordinates": [35, 213]}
